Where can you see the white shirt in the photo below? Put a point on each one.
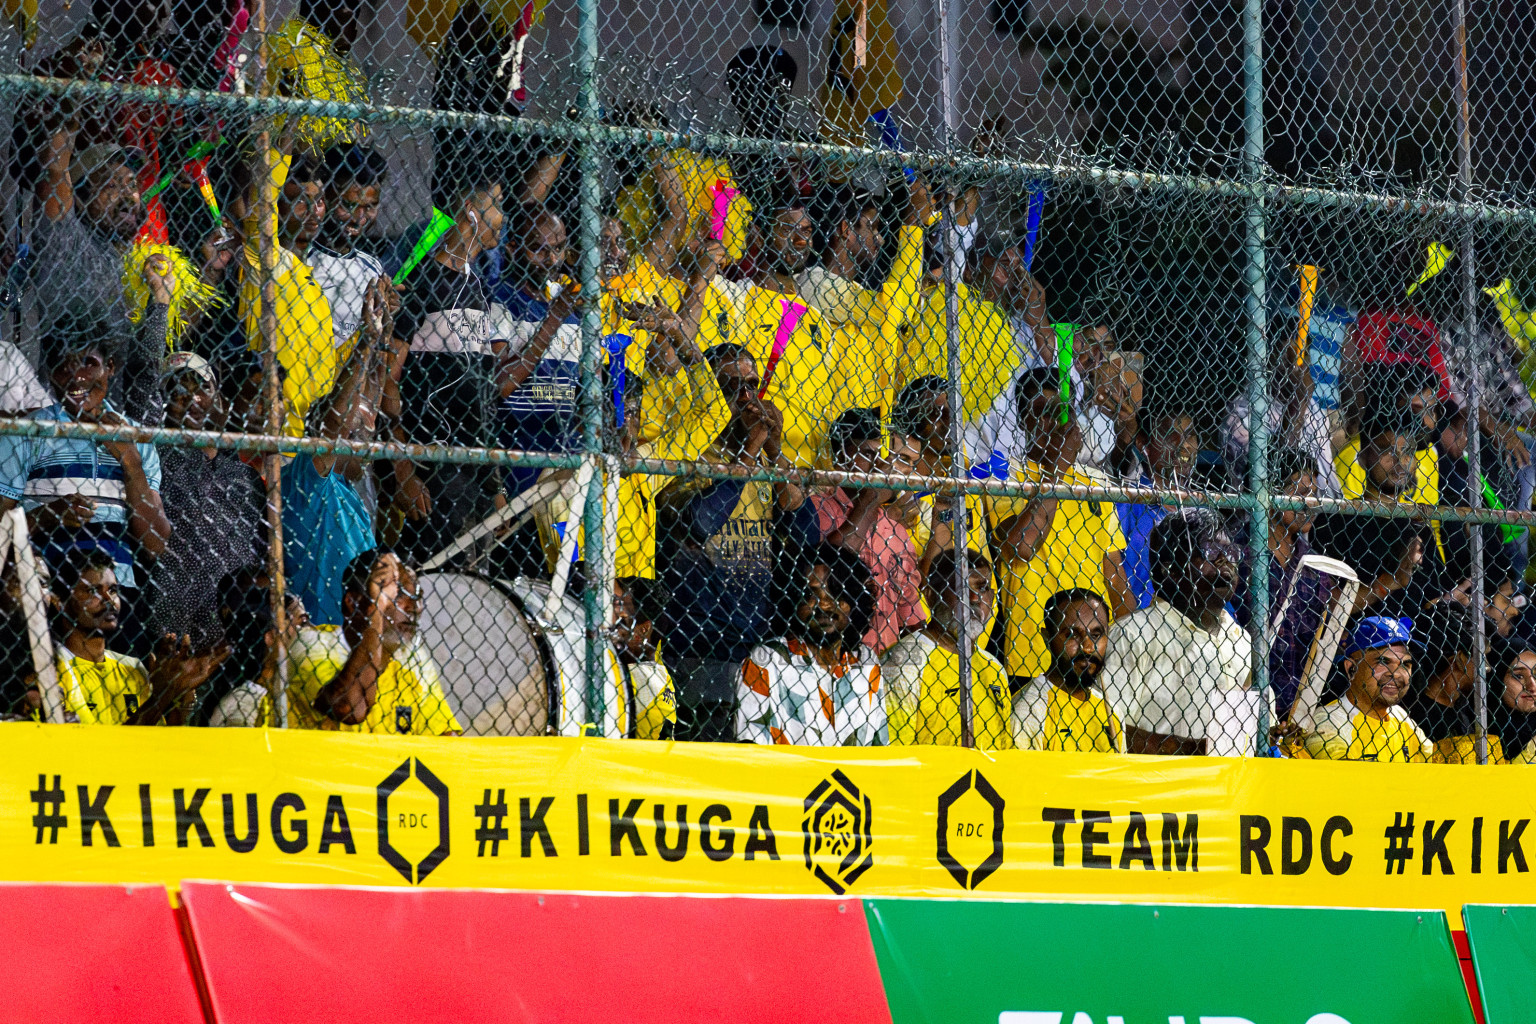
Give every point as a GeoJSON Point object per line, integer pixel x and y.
{"type": "Point", "coordinates": [998, 428]}
{"type": "Point", "coordinates": [787, 696]}
{"type": "Point", "coordinates": [1165, 674]}
{"type": "Point", "coordinates": [345, 280]}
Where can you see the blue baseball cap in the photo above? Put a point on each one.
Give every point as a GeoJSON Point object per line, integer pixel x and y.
{"type": "Point", "coordinates": [1378, 631]}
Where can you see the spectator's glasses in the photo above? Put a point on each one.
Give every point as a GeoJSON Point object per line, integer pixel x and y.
{"type": "Point", "coordinates": [1217, 549]}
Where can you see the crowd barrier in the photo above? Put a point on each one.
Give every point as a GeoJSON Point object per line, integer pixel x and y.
{"type": "Point", "coordinates": [257, 953]}
{"type": "Point", "coordinates": [131, 806]}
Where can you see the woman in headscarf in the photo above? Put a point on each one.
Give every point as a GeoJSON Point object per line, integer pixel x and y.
{"type": "Point", "coordinates": [1511, 709]}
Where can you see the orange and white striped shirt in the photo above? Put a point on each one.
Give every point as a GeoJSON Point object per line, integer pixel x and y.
{"type": "Point", "coordinates": [787, 696]}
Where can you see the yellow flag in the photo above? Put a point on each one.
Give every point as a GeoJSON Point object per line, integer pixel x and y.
{"type": "Point", "coordinates": [864, 72]}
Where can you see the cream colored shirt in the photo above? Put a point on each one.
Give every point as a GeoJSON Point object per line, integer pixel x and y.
{"type": "Point", "coordinates": [1165, 674]}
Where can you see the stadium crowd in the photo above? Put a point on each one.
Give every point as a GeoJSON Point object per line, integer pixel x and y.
{"type": "Point", "coordinates": [759, 312]}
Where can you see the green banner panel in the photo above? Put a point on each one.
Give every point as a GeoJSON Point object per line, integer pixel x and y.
{"type": "Point", "coordinates": [1503, 941]}
{"type": "Point", "coordinates": [959, 962]}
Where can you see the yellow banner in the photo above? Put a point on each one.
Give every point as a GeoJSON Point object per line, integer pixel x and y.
{"type": "Point", "coordinates": [103, 804]}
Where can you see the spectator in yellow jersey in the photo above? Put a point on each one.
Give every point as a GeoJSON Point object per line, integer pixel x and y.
{"type": "Point", "coordinates": [1511, 709]}
{"type": "Point", "coordinates": [868, 325]}
{"type": "Point", "coordinates": [816, 685]}
{"type": "Point", "coordinates": [1046, 545]}
{"type": "Point", "coordinates": [650, 700]}
{"type": "Point", "coordinates": [922, 672]}
{"type": "Point", "coordinates": [102, 687]}
{"type": "Point", "coordinates": [1367, 723]}
{"type": "Point", "coordinates": [366, 685]}
{"type": "Point", "coordinates": [1061, 710]}
{"type": "Point", "coordinates": [789, 340]}
{"type": "Point", "coordinates": [686, 410]}
{"type": "Point", "coordinates": [1178, 671]}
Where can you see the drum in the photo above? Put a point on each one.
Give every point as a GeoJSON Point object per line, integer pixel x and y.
{"type": "Point", "coordinates": [506, 672]}
{"type": "Point", "coordinates": [564, 641]}
{"type": "Point", "coordinates": [494, 666]}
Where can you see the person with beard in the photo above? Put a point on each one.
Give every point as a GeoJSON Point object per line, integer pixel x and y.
{"type": "Point", "coordinates": [535, 314]}
{"type": "Point", "coordinates": [716, 549]}
{"type": "Point", "coordinates": [1368, 723]}
{"type": "Point", "coordinates": [365, 684]}
{"type": "Point", "coordinates": [214, 502]}
{"type": "Point", "coordinates": [101, 686]}
{"type": "Point", "coordinates": [868, 325]}
{"type": "Point", "coordinates": [88, 494]}
{"type": "Point", "coordinates": [448, 386]}
{"type": "Point", "coordinates": [1292, 472]}
{"type": "Point", "coordinates": [1395, 559]}
{"type": "Point", "coordinates": [1060, 710]}
{"type": "Point", "coordinates": [922, 670]}
{"type": "Point", "coordinates": [1175, 668]}
{"type": "Point", "coordinates": [789, 339]}
{"type": "Point", "coordinates": [339, 216]}
{"type": "Point", "coordinates": [816, 685]}
{"type": "Point", "coordinates": [1511, 710]}
{"type": "Point", "coordinates": [1168, 450]}
{"type": "Point", "coordinates": [91, 212]}
{"type": "Point", "coordinates": [304, 341]}
{"type": "Point", "coordinates": [1046, 545]}
{"type": "Point", "coordinates": [354, 177]}
{"type": "Point", "coordinates": [871, 522]}
{"type": "Point", "coordinates": [326, 523]}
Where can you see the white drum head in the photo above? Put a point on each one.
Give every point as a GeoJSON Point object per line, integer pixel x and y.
{"type": "Point", "coordinates": [487, 653]}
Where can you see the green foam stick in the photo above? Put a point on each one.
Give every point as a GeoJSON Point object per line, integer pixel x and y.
{"type": "Point", "coordinates": [197, 152]}
{"type": "Point", "coordinates": [1065, 333]}
{"type": "Point", "coordinates": [437, 227]}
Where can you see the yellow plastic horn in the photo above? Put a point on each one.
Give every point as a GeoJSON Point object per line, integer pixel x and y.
{"type": "Point", "coordinates": [1438, 256]}
{"type": "Point", "coordinates": [1307, 274]}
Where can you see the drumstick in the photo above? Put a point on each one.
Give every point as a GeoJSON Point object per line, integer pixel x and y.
{"type": "Point", "coordinates": [577, 506]}
{"type": "Point", "coordinates": [538, 493]}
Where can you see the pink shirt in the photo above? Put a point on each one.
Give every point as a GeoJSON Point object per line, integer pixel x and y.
{"type": "Point", "coordinates": [888, 553]}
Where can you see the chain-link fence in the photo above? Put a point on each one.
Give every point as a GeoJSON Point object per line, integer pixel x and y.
{"type": "Point", "coordinates": [760, 373]}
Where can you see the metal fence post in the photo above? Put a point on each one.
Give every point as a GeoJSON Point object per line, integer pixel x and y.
{"type": "Point", "coordinates": [1475, 385]}
{"type": "Point", "coordinates": [1255, 270]}
{"type": "Point", "coordinates": [266, 217]}
{"type": "Point", "coordinates": [589, 229]}
{"type": "Point", "coordinates": [956, 396]}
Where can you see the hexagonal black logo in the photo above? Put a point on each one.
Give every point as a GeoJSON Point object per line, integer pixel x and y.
{"type": "Point", "coordinates": [435, 786]}
{"type": "Point", "coordinates": [969, 879]}
{"type": "Point", "coordinates": [837, 823]}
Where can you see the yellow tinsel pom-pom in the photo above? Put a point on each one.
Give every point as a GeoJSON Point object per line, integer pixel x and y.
{"type": "Point", "coordinates": [303, 63]}
{"type": "Point", "coordinates": [188, 290]}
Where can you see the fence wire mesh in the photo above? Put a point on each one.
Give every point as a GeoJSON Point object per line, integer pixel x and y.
{"type": "Point", "coordinates": [1152, 378]}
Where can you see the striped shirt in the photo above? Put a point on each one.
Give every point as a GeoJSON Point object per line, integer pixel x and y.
{"type": "Point", "coordinates": [37, 470]}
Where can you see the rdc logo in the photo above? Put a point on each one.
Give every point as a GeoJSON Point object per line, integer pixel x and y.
{"type": "Point", "coordinates": [416, 818]}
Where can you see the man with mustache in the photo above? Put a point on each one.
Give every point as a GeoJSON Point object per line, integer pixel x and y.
{"type": "Point", "coordinates": [1177, 669]}
{"type": "Point", "coordinates": [1060, 710]}
{"type": "Point", "coordinates": [101, 686]}
{"type": "Point", "coordinates": [88, 494]}
{"type": "Point", "coordinates": [91, 212]}
{"type": "Point", "coordinates": [923, 669]}
{"type": "Point", "coordinates": [1367, 723]}
{"type": "Point", "coordinates": [372, 681]}
{"type": "Point", "coordinates": [817, 686]}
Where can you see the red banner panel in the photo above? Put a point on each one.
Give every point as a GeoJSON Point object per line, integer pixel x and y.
{"type": "Point", "coordinates": [93, 953]}
{"type": "Point", "coordinates": [376, 956]}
